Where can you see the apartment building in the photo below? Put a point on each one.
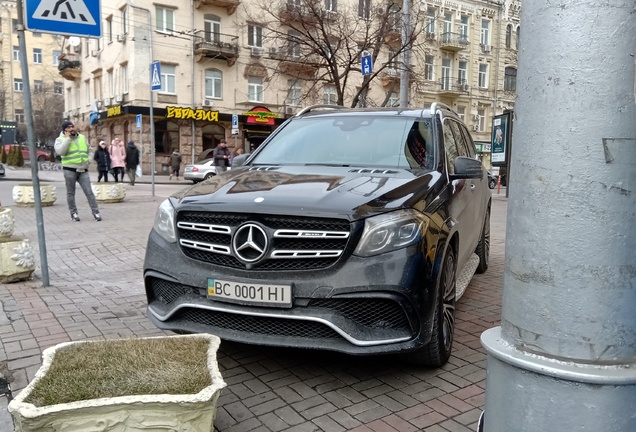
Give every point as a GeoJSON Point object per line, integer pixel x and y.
{"type": "Point", "coordinates": [46, 84]}
{"type": "Point", "coordinates": [235, 69]}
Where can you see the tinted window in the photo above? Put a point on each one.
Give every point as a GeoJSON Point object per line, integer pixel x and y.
{"type": "Point", "coordinates": [450, 146]}
{"type": "Point", "coordinates": [460, 139]}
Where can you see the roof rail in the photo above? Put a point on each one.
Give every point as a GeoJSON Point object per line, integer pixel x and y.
{"type": "Point", "coordinates": [435, 105]}
{"type": "Point", "coordinates": [314, 107]}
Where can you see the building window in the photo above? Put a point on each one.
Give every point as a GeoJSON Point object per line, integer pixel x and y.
{"type": "Point", "coordinates": [461, 112]}
{"type": "Point", "coordinates": [124, 77]}
{"type": "Point", "coordinates": [19, 116]}
{"type": "Point", "coordinates": [56, 57]}
{"type": "Point", "coordinates": [166, 137]}
{"type": "Point", "coordinates": [430, 21]}
{"type": "Point", "coordinates": [255, 89]}
{"type": "Point", "coordinates": [483, 75]}
{"type": "Point", "coordinates": [481, 120]}
{"type": "Point", "coordinates": [168, 79]}
{"type": "Point", "coordinates": [394, 99]}
{"type": "Point", "coordinates": [97, 86]}
{"type": "Point", "coordinates": [517, 38]}
{"type": "Point", "coordinates": [124, 20]}
{"type": "Point", "coordinates": [110, 82]}
{"type": "Point", "coordinates": [485, 32]}
{"type": "Point", "coordinates": [331, 5]}
{"type": "Point", "coordinates": [293, 93]}
{"type": "Point", "coordinates": [510, 79]}
{"type": "Point", "coordinates": [364, 9]}
{"type": "Point", "coordinates": [447, 32]}
{"type": "Point", "coordinates": [429, 68]}
{"type": "Point", "coordinates": [87, 91]}
{"type": "Point", "coordinates": [213, 84]}
{"type": "Point", "coordinates": [463, 29]}
{"type": "Point", "coordinates": [254, 35]}
{"type": "Point", "coordinates": [462, 72]}
{"type": "Point", "coordinates": [212, 28]}
{"type": "Point", "coordinates": [18, 85]}
{"type": "Point", "coordinates": [329, 95]}
{"type": "Point", "coordinates": [14, 23]}
{"type": "Point", "coordinates": [37, 86]}
{"type": "Point", "coordinates": [165, 20]}
{"type": "Point", "coordinates": [37, 55]}
{"type": "Point", "coordinates": [508, 35]}
{"type": "Point", "coordinates": [293, 44]}
{"type": "Point", "coordinates": [58, 88]}
{"type": "Point", "coordinates": [109, 29]}
{"type": "Point", "coordinates": [16, 53]}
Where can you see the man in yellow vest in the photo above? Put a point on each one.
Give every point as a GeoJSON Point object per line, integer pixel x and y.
{"type": "Point", "coordinates": [73, 148]}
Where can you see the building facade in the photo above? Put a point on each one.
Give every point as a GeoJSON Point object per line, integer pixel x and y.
{"type": "Point", "coordinates": [234, 70]}
{"type": "Point", "coordinates": [46, 84]}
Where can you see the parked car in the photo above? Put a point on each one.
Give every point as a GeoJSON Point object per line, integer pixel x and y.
{"type": "Point", "coordinates": [353, 230]}
{"type": "Point", "coordinates": [492, 180]}
{"type": "Point", "coordinates": [1, 170]}
{"type": "Point", "coordinates": [41, 154]}
{"type": "Point", "coordinates": [199, 171]}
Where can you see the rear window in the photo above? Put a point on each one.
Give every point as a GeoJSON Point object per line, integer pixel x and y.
{"type": "Point", "coordinates": [361, 141]}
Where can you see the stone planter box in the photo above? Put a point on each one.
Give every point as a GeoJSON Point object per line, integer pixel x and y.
{"type": "Point", "coordinates": [184, 413]}
{"type": "Point", "coordinates": [109, 192]}
{"type": "Point", "coordinates": [24, 197]}
{"type": "Point", "coordinates": [7, 223]}
{"type": "Point", "coordinates": [17, 260]}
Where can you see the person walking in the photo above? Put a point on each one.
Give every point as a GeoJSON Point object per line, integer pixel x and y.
{"type": "Point", "coordinates": [117, 153]}
{"type": "Point", "coordinates": [221, 155]}
{"type": "Point", "coordinates": [132, 160]}
{"type": "Point", "coordinates": [102, 157]}
{"type": "Point", "coordinates": [73, 148]}
{"type": "Point", "coordinates": [175, 163]}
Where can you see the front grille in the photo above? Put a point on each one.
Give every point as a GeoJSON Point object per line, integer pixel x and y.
{"type": "Point", "coordinates": [373, 313]}
{"type": "Point", "coordinates": [257, 325]}
{"type": "Point", "coordinates": [295, 243]}
{"type": "Point", "coordinates": [167, 292]}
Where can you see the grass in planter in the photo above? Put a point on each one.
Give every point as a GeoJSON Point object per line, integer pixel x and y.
{"type": "Point", "coordinates": [129, 367]}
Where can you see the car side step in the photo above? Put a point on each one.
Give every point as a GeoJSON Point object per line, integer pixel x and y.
{"type": "Point", "coordinates": [465, 276]}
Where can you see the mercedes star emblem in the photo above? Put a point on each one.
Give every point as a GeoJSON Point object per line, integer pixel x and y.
{"type": "Point", "coordinates": [250, 243]}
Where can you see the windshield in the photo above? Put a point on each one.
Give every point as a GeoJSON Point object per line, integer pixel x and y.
{"type": "Point", "coordinates": [361, 141]}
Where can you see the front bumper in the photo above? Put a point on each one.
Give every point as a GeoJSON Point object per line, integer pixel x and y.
{"type": "Point", "coordinates": [374, 305]}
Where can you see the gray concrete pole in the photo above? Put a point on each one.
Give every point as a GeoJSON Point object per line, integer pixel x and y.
{"type": "Point", "coordinates": [564, 358]}
{"type": "Point", "coordinates": [405, 81]}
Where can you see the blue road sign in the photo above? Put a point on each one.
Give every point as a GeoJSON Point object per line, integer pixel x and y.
{"type": "Point", "coordinates": [138, 118]}
{"type": "Point", "coordinates": [234, 120]}
{"type": "Point", "coordinates": [64, 17]}
{"type": "Point", "coordinates": [367, 65]}
{"type": "Point", "coordinates": [155, 76]}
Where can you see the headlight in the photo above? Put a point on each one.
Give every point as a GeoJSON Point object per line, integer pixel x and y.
{"type": "Point", "coordinates": [164, 222]}
{"type": "Point", "coordinates": [391, 231]}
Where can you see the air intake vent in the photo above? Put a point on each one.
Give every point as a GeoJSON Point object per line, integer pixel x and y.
{"type": "Point", "coordinates": [264, 168]}
{"type": "Point", "coordinates": [372, 171]}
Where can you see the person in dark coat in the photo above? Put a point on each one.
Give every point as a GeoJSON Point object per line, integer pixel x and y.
{"type": "Point", "coordinates": [103, 161]}
{"type": "Point", "coordinates": [221, 156]}
{"type": "Point", "coordinates": [132, 160]}
{"type": "Point", "coordinates": [175, 163]}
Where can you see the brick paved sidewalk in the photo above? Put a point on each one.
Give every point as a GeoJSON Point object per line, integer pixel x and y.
{"type": "Point", "coordinates": [100, 295]}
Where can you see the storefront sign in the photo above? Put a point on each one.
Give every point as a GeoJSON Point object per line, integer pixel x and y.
{"type": "Point", "coordinates": [500, 138]}
{"type": "Point", "coordinates": [261, 116]}
{"type": "Point", "coordinates": [114, 111]}
{"type": "Point", "coordinates": [192, 114]}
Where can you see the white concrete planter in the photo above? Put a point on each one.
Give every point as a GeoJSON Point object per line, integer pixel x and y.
{"type": "Point", "coordinates": [23, 195]}
{"type": "Point", "coordinates": [17, 260]}
{"type": "Point", "coordinates": [184, 413]}
{"type": "Point", "coordinates": [109, 192]}
{"type": "Point", "coordinates": [7, 223]}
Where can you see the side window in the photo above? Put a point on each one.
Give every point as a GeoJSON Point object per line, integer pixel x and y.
{"type": "Point", "coordinates": [460, 139]}
{"type": "Point", "coordinates": [469, 141]}
{"type": "Point", "coordinates": [450, 146]}
{"type": "Point", "coordinates": [419, 145]}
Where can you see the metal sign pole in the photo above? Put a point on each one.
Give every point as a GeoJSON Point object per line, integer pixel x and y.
{"type": "Point", "coordinates": [28, 112]}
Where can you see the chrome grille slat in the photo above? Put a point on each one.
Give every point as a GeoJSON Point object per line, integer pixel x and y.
{"type": "Point", "coordinates": [310, 234]}
{"type": "Point", "coordinates": [305, 254]}
{"type": "Point", "coordinates": [219, 229]}
{"type": "Point", "coordinates": [208, 247]}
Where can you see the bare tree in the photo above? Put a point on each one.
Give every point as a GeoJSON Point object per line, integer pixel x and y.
{"type": "Point", "coordinates": [47, 113]}
{"type": "Point", "coordinates": [317, 44]}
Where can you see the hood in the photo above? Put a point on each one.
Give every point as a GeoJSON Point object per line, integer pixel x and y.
{"type": "Point", "coordinates": [353, 193]}
{"type": "Point", "coordinates": [131, 144]}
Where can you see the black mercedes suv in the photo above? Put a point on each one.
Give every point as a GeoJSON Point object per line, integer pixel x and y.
{"type": "Point", "coordinates": [353, 230]}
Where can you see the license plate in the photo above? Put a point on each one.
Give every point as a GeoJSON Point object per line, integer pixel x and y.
{"type": "Point", "coordinates": [249, 293]}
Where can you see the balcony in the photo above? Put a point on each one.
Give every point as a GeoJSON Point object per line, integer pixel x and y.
{"type": "Point", "coordinates": [453, 42]}
{"type": "Point", "coordinates": [450, 86]}
{"type": "Point", "coordinates": [230, 5]}
{"type": "Point", "coordinates": [217, 46]}
{"type": "Point", "coordinates": [293, 62]}
{"type": "Point", "coordinates": [69, 67]}
{"type": "Point", "coordinates": [389, 75]}
{"type": "Point", "coordinates": [294, 13]}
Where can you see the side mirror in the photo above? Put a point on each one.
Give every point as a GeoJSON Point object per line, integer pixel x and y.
{"type": "Point", "coordinates": [239, 160]}
{"type": "Point", "coordinates": [468, 168]}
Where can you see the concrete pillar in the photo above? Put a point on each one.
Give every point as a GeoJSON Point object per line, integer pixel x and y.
{"type": "Point", "coordinates": [564, 358]}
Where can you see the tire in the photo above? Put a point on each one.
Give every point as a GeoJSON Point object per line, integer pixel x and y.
{"type": "Point", "coordinates": [483, 247]}
{"type": "Point", "coordinates": [208, 175]}
{"type": "Point", "coordinates": [438, 350]}
{"type": "Point", "coordinates": [492, 184]}
{"type": "Point", "coordinates": [41, 159]}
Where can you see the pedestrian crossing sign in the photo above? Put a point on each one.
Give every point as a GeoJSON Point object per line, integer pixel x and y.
{"type": "Point", "coordinates": [155, 76]}
{"type": "Point", "coordinates": [64, 17]}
